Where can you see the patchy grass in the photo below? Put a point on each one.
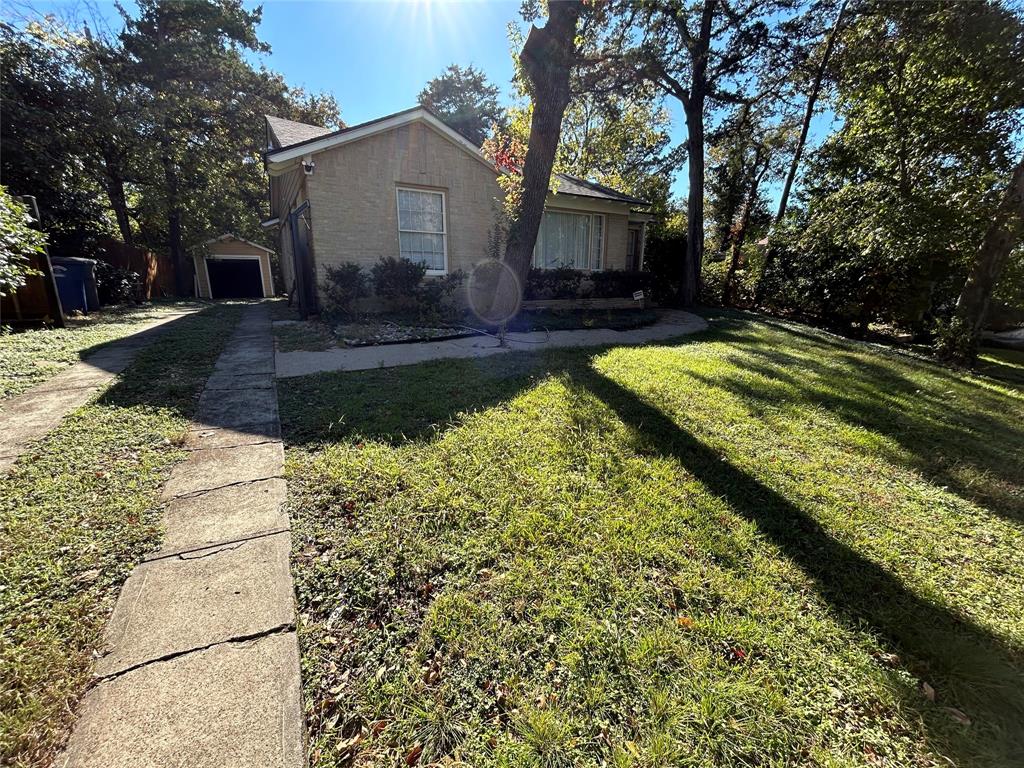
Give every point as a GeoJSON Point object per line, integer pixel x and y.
{"type": "Point", "coordinates": [759, 546]}
{"type": "Point", "coordinates": [292, 336]}
{"type": "Point", "coordinates": [76, 514]}
{"type": "Point", "coordinates": [30, 356]}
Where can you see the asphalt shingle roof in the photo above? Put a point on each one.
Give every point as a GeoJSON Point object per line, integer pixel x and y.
{"type": "Point", "coordinates": [570, 185]}
{"type": "Point", "coordinates": [288, 132]}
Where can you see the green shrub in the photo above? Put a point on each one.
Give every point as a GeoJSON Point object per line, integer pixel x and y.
{"type": "Point", "coordinates": [561, 283]}
{"type": "Point", "coordinates": [342, 286]}
{"type": "Point", "coordinates": [116, 285]}
{"type": "Point", "coordinates": [436, 300]}
{"type": "Point", "coordinates": [397, 278]}
{"type": "Point", "coordinates": [620, 283]}
{"type": "Point", "coordinates": [18, 243]}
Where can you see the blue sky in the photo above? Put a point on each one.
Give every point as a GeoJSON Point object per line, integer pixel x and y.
{"type": "Point", "coordinates": [374, 55]}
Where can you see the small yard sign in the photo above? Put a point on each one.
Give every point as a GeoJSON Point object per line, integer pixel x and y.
{"type": "Point", "coordinates": [638, 295]}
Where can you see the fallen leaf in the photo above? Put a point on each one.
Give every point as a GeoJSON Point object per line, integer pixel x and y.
{"type": "Point", "coordinates": [957, 715]}
{"type": "Point", "coordinates": [414, 755]}
{"type": "Point", "coordinates": [927, 691]}
{"type": "Point", "coordinates": [685, 622]}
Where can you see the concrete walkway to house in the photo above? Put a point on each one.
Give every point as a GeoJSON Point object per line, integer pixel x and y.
{"type": "Point", "coordinates": [671, 324]}
{"type": "Point", "coordinates": [32, 414]}
{"type": "Point", "coordinates": [201, 664]}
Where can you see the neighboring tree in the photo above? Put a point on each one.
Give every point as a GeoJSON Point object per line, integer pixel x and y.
{"type": "Point", "coordinates": [19, 242]}
{"type": "Point", "coordinates": [809, 107]}
{"type": "Point", "coordinates": [188, 57]}
{"type": "Point", "coordinates": [47, 109]}
{"type": "Point", "coordinates": [930, 97]}
{"type": "Point", "coordinates": [465, 100]}
{"type": "Point", "coordinates": [1003, 235]}
{"type": "Point", "coordinates": [708, 54]}
{"type": "Point", "coordinates": [618, 140]}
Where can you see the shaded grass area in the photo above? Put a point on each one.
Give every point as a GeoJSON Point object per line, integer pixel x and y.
{"type": "Point", "coordinates": [76, 514]}
{"type": "Point", "coordinates": [32, 355]}
{"type": "Point", "coordinates": [761, 546]}
{"type": "Point", "coordinates": [309, 336]}
{"type": "Point", "coordinates": [1006, 364]}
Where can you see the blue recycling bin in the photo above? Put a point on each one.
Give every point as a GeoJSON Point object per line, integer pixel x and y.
{"type": "Point", "coordinates": [76, 283]}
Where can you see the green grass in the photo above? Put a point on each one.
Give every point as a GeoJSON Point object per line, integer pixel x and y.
{"type": "Point", "coordinates": [76, 514]}
{"type": "Point", "coordinates": [30, 356]}
{"type": "Point", "coordinates": [756, 546]}
{"type": "Point", "coordinates": [1006, 364]}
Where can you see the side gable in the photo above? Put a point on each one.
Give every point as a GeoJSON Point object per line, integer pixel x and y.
{"type": "Point", "coordinates": [280, 160]}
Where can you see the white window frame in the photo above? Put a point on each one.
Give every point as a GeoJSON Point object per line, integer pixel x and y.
{"type": "Point", "coordinates": [590, 237]}
{"type": "Point", "coordinates": [444, 223]}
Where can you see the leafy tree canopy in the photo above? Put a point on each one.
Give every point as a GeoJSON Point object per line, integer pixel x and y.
{"type": "Point", "coordinates": [465, 99]}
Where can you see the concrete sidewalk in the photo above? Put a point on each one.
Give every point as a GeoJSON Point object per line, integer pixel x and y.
{"type": "Point", "coordinates": [32, 414]}
{"type": "Point", "coordinates": [670, 325]}
{"type": "Point", "coordinates": [201, 664]}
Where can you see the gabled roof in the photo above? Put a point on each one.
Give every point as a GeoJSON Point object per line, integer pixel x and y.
{"type": "Point", "coordinates": [571, 185]}
{"type": "Point", "coordinates": [284, 133]}
{"type": "Point", "coordinates": [230, 236]}
{"type": "Point", "coordinates": [285, 154]}
{"type": "Point", "coordinates": [308, 139]}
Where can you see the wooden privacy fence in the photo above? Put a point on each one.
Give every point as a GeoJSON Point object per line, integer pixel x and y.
{"type": "Point", "coordinates": [156, 270]}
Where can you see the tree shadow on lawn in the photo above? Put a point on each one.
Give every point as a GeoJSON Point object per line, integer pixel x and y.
{"type": "Point", "coordinates": [974, 671]}
{"type": "Point", "coordinates": [977, 431]}
{"type": "Point", "coordinates": [412, 403]}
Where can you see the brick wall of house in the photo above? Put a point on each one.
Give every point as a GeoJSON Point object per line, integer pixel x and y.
{"type": "Point", "coordinates": [352, 194]}
{"type": "Point", "coordinates": [354, 205]}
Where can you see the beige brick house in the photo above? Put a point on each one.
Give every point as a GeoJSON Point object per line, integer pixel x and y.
{"type": "Point", "coordinates": [409, 186]}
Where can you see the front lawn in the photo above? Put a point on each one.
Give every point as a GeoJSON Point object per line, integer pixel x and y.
{"type": "Point", "coordinates": [76, 514]}
{"type": "Point", "coordinates": [760, 546]}
{"type": "Point", "coordinates": [32, 355]}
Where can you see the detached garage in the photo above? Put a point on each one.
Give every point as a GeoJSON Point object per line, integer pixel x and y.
{"type": "Point", "coordinates": [233, 268]}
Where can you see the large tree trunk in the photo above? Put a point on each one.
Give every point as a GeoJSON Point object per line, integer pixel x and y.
{"type": "Point", "coordinates": [182, 283]}
{"type": "Point", "coordinates": [805, 127]}
{"type": "Point", "coordinates": [740, 234]}
{"type": "Point", "coordinates": [1002, 236]}
{"type": "Point", "coordinates": [547, 59]}
{"type": "Point", "coordinates": [114, 185]}
{"type": "Point", "coordinates": [689, 289]}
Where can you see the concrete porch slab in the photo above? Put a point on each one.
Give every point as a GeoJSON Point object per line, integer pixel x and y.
{"type": "Point", "coordinates": [185, 602]}
{"type": "Point", "coordinates": [236, 704]}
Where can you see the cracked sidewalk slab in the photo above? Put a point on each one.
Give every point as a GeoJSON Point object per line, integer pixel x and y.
{"type": "Point", "coordinates": [237, 408]}
{"type": "Point", "coordinates": [197, 599]}
{"type": "Point", "coordinates": [235, 704]}
{"type": "Point", "coordinates": [211, 468]}
{"type": "Point", "coordinates": [217, 437]}
{"type": "Point", "coordinates": [224, 514]}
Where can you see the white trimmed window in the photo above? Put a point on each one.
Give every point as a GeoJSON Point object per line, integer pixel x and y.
{"type": "Point", "coordinates": [422, 230]}
{"type": "Point", "coordinates": [574, 240]}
